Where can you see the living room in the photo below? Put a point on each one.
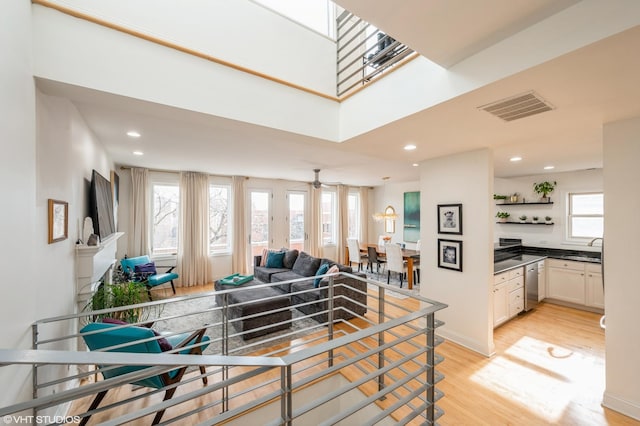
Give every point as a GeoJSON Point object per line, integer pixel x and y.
{"type": "Point", "coordinates": [54, 159]}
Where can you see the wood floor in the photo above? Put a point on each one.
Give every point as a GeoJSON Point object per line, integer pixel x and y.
{"type": "Point", "coordinates": [548, 369]}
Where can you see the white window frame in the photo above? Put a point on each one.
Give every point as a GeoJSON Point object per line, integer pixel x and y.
{"type": "Point", "coordinates": [331, 240]}
{"type": "Point", "coordinates": [165, 179]}
{"type": "Point", "coordinates": [223, 249]}
{"type": "Point", "coordinates": [571, 215]}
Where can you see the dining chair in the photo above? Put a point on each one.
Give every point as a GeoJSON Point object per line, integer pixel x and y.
{"type": "Point", "coordinates": [395, 262]}
{"type": "Point", "coordinates": [354, 253]}
{"type": "Point", "coordinates": [372, 252]}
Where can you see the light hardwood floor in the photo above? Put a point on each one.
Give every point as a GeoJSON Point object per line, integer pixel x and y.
{"type": "Point", "coordinates": [548, 368]}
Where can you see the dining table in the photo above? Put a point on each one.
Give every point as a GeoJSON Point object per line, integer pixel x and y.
{"type": "Point", "coordinates": [409, 255]}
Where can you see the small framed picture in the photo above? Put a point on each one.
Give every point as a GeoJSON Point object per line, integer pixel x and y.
{"type": "Point", "coordinates": [450, 254]}
{"type": "Point", "coordinates": [450, 219]}
{"type": "Point", "coordinates": [58, 220]}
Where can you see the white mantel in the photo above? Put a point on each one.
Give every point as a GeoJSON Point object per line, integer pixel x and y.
{"type": "Point", "coordinates": [92, 262]}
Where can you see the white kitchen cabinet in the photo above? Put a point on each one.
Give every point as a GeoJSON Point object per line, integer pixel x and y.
{"type": "Point", "coordinates": [594, 288]}
{"type": "Point", "coordinates": [508, 295]}
{"type": "Point", "coordinates": [566, 281]}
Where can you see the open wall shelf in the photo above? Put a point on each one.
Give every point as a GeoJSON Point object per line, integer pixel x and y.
{"type": "Point", "coordinates": [524, 204]}
{"type": "Point", "coordinates": [525, 223]}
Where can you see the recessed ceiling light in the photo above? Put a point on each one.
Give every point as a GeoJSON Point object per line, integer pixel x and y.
{"type": "Point", "coordinates": [514, 159]}
{"type": "Point", "coordinates": [549, 167]}
{"type": "Point", "coordinates": [415, 164]}
{"type": "Point", "coordinates": [133, 134]}
{"type": "Point", "coordinates": [409, 147]}
{"type": "Point", "coordinates": [138, 153]}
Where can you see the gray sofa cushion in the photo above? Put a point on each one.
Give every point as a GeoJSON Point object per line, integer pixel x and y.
{"type": "Point", "coordinates": [285, 276]}
{"type": "Point", "coordinates": [264, 274]}
{"type": "Point", "coordinates": [290, 257]}
{"type": "Point", "coordinates": [306, 265]}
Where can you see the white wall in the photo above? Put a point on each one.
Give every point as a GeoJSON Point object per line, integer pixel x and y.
{"type": "Point", "coordinates": [555, 235]}
{"type": "Point", "coordinates": [78, 52]}
{"type": "Point", "coordinates": [622, 290]}
{"type": "Point", "coordinates": [239, 31]}
{"type": "Point", "coordinates": [391, 194]}
{"type": "Point", "coordinates": [445, 180]}
{"type": "Point", "coordinates": [20, 274]}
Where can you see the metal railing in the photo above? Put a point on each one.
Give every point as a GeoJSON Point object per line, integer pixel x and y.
{"type": "Point", "coordinates": [382, 361]}
{"type": "Point", "coordinates": [363, 52]}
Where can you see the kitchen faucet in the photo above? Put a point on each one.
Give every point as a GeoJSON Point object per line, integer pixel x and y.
{"type": "Point", "coordinates": [590, 243]}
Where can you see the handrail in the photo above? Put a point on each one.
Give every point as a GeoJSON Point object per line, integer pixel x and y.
{"type": "Point", "coordinates": [214, 59]}
{"type": "Point", "coordinates": [398, 346]}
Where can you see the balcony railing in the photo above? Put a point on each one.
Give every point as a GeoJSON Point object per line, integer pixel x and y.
{"type": "Point", "coordinates": [364, 52]}
{"type": "Point", "coordinates": [380, 366]}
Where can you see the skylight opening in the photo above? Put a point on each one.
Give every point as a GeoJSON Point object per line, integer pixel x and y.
{"type": "Point", "coordinates": [317, 15]}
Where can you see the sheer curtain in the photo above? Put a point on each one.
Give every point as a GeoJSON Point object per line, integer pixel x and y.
{"type": "Point", "coordinates": [240, 239]}
{"type": "Point", "coordinates": [343, 222]}
{"type": "Point", "coordinates": [193, 238]}
{"type": "Point", "coordinates": [138, 239]}
{"type": "Point", "coordinates": [364, 215]}
{"type": "Point", "coordinates": [315, 222]}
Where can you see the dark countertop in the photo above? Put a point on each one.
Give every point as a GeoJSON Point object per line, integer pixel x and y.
{"type": "Point", "coordinates": [510, 255]}
{"type": "Point", "coordinates": [515, 262]}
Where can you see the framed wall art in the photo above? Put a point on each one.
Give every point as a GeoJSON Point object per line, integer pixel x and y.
{"type": "Point", "coordinates": [450, 254]}
{"type": "Point", "coordinates": [450, 219]}
{"type": "Point", "coordinates": [411, 216]}
{"type": "Point", "coordinates": [58, 220]}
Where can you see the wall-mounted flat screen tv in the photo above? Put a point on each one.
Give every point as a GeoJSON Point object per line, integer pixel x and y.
{"type": "Point", "coordinates": [101, 206]}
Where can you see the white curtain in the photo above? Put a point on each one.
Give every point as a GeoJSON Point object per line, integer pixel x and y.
{"type": "Point", "coordinates": [240, 238]}
{"type": "Point", "coordinates": [315, 222]}
{"type": "Point", "coordinates": [139, 213]}
{"type": "Point", "coordinates": [343, 222]}
{"type": "Point", "coordinates": [193, 238]}
{"type": "Point", "coordinates": [364, 215]}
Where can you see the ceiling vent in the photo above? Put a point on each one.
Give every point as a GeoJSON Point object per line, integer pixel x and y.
{"type": "Point", "coordinates": [519, 106]}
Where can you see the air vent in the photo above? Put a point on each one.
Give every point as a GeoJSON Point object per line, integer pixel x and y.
{"type": "Point", "coordinates": [519, 106]}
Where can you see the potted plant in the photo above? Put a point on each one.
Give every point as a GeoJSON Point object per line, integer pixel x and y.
{"type": "Point", "coordinates": [502, 216]}
{"type": "Point", "coordinates": [523, 218]}
{"type": "Point", "coordinates": [534, 219]}
{"type": "Point", "coordinates": [115, 295]}
{"type": "Point", "coordinates": [544, 189]}
{"type": "Point", "coordinates": [547, 219]}
{"type": "Point", "coordinates": [499, 198]}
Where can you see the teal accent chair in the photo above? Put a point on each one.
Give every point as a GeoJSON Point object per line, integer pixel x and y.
{"type": "Point", "coordinates": [129, 264]}
{"type": "Point", "coordinates": [103, 336]}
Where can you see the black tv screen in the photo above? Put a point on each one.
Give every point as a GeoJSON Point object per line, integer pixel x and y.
{"type": "Point", "coordinates": [101, 206]}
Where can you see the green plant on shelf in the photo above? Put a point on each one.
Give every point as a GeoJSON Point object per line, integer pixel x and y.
{"type": "Point", "coordinates": [544, 188]}
{"type": "Point", "coordinates": [523, 218]}
{"type": "Point", "coordinates": [500, 197]}
{"type": "Point", "coordinates": [502, 215]}
{"type": "Point", "coordinates": [547, 219]}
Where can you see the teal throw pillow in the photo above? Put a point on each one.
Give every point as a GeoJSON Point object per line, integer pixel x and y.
{"type": "Point", "coordinates": [321, 271]}
{"type": "Point", "coordinates": [275, 259]}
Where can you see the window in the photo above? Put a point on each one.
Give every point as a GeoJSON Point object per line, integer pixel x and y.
{"type": "Point", "coordinates": [296, 220]}
{"type": "Point", "coordinates": [260, 214]}
{"type": "Point", "coordinates": [586, 215]}
{"type": "Point", "coordinates": [219, 222]}
{"type": "Point", "coordinates": [353, 207]}
{"type": "Point", "coordinates": [164, 233]}
{"type": "Point", "coordinates": [328, 209]}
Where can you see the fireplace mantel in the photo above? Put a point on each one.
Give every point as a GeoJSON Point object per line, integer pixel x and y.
{"type": "Point", "coordinates": [92, 262]}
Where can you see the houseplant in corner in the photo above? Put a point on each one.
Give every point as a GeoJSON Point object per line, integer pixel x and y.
{"type": "Point", "coordinates": [502, 216]}
{"type": "Point", "coordinates": [544, 189]}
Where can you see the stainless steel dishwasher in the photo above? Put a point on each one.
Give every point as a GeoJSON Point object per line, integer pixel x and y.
{"type": "Point", "coordinates": [530, 286]}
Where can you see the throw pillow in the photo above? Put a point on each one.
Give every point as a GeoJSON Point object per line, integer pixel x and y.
{"type": "Point", "coordinates": [290, 258]}
{"type": "Point", "coordinates": [274, 260]}
{"type": "Point", "coordinates": [263, 259]}
{"type": "Point", "coordinates": [163, 343]}
{"type": "Point", "coordinates": [306, 265]}
{"type": "Point", "coordinates": [144, 271]}
{"type": "Point", "coordinates": [333, 270]}
{"type": "Point", "coordinates": [321, 271]}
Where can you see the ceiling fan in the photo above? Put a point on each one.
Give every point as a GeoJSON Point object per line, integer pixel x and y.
{"type": "Point", "coordinates": [316, 181]}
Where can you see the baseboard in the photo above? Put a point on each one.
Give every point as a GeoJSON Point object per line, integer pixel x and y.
{"type": "Point", "coordinates": [463, 341]}
{"type": "Point", "coordinates": [628, 408]}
